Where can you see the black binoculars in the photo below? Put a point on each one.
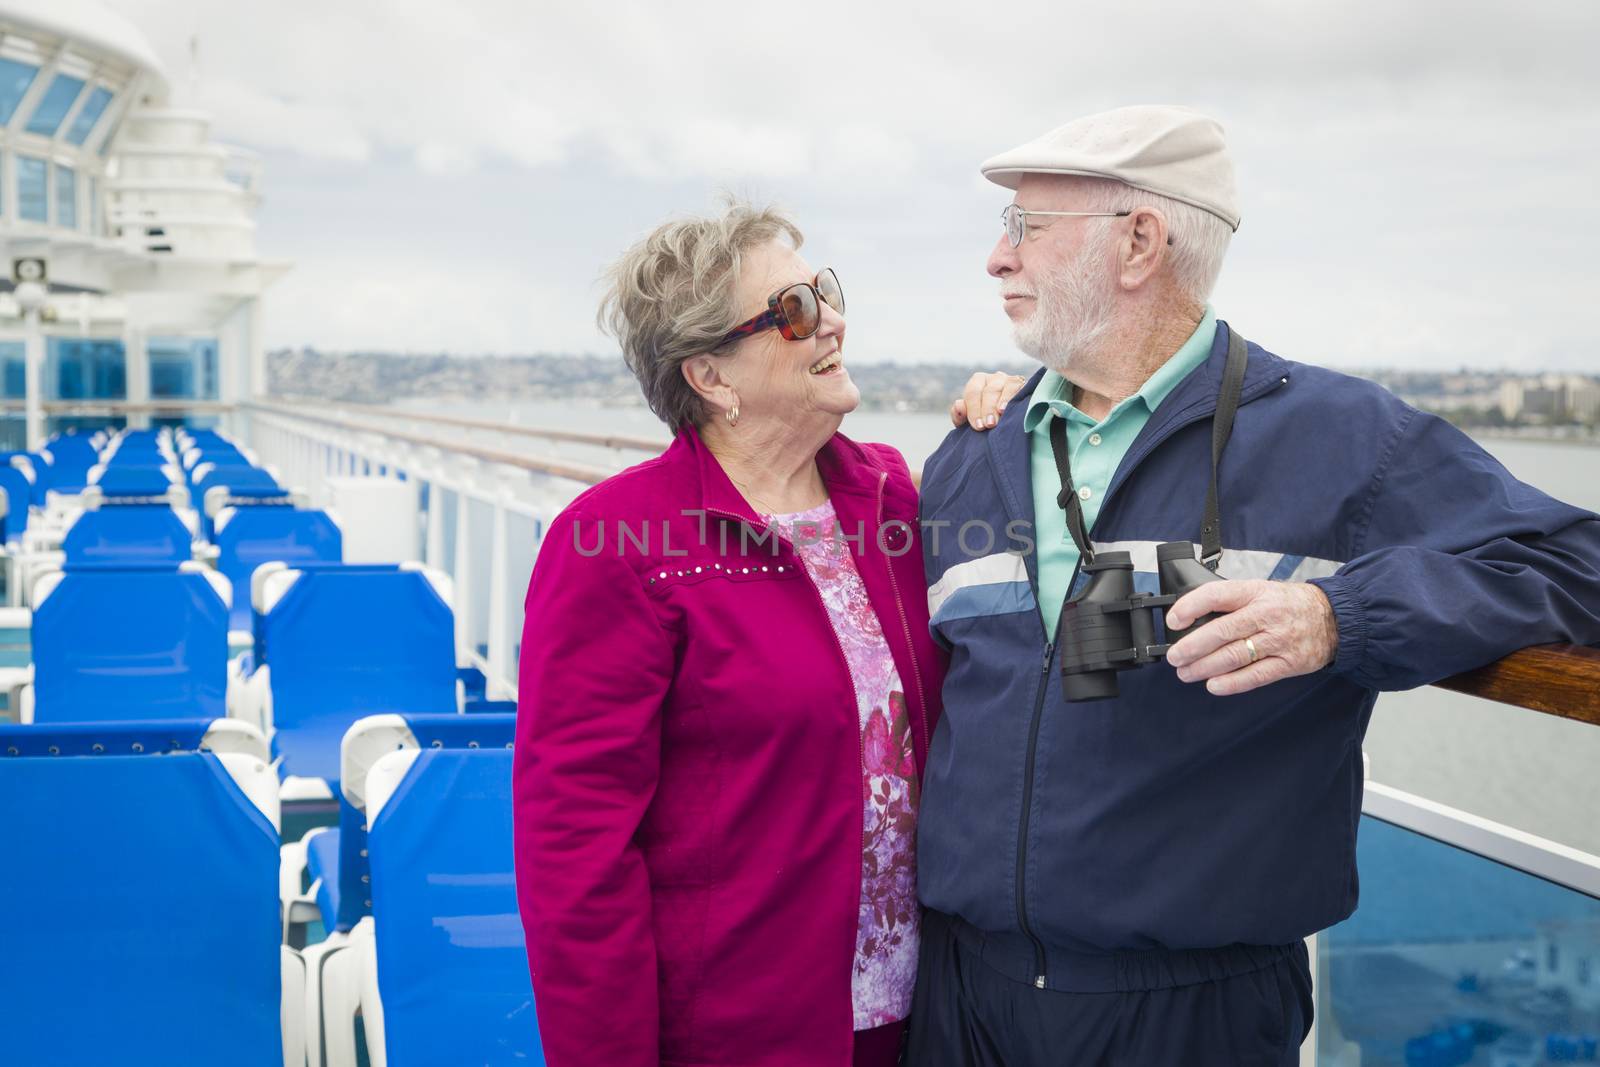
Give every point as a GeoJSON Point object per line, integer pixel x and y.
{"type": "Point", "coordinates": [1108, 627]}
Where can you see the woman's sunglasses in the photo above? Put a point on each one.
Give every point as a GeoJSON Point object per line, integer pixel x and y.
{"type": "Point", "coordinates": [796, 310]}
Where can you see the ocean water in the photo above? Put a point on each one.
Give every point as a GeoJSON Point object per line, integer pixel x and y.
{"type": "Point", "coordinates": [1532, 771]}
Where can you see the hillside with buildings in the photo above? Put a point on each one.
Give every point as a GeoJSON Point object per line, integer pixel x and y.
{"type": "Point", "coordinates": [1471, 399]}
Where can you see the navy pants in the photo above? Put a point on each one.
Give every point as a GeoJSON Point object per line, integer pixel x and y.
{"type": "Point", "coordinates": [1237, 1007]}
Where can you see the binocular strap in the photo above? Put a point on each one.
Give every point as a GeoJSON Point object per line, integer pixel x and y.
{"type": "Point", "coordinates": [1221, 429]}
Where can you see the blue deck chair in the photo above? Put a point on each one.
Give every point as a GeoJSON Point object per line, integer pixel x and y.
{"type": "Point", "coordinates": [216, 486]}
{"type": "Point", "coordinates": [18, 492]}
{"type": "Point", "coordinates": [71, 456]}
{"type": "Point", "coordinates": [73, 446]}
{"type": "Point", "coordinates": [344, 641]}
{"type": "Point", "coordinates": [336, 857]}
{"type": "Point", "coordinates": [42, 465]}
{"type": "Point", "coordinates": [258, 619]}
{"type": "Point", "coordinates": [141, 897]}
{"type": "Point", "coordinates": [129, 479]}
{"type": "Point", "coordinates": [235, 478]}
{"type": "Point", "coordinates": [220, 453]}
{"type": "Point", "coordinates": [445, 939]}
{"type": "Point", "coordinates": [128, 533]}
{"type": "Point", "coordinates": [247, 537]}
{"type": "Point", "coordinates": [129, 643]}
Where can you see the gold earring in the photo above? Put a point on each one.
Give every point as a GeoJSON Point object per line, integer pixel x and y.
{"type": "Point", "coordinates": [733, 414]}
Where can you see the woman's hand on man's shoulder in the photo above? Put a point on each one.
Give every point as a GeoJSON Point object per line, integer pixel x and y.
{"type": "Point", "coordinates": [984, 399]}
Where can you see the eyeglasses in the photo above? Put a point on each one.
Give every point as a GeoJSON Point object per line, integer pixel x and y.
{"type": "Point", "coordinates": [1015, 220]}
{"type": "Point", "coordinates": [795, 311]}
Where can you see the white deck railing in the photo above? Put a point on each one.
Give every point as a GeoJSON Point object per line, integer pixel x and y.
{"type": "Point", "coordinates": [484, 509]}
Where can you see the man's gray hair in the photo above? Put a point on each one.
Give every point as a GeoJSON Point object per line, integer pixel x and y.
{"type": "Point", "coordinates": [674, 295]}
{"type": "Point", "coordinates": [1199, 238]}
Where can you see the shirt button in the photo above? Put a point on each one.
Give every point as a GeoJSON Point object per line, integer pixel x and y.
{"type": "Point", "coordinates": [1085, 493]}
{"type": "Point", "coordinates": [1094, 439]}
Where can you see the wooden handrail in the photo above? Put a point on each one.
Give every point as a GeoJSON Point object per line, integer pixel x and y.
{"type": "Point", "coordinates": [575, 471]}
{"type": "Point", "coordinates": [1561, 680]}
{"type": "Point", "coordinates": [601, 440]}
{"type": "Point", "coordinates": [175, 406]}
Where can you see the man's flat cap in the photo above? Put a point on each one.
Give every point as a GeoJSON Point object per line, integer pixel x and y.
{"type": "Point", "coordinates": [1173, 151]}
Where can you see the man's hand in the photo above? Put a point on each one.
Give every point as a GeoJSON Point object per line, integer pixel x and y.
{"type": "Point", "coordinates": [1291, 625]}
{"type": "Point", "coordinates": [983, 401]}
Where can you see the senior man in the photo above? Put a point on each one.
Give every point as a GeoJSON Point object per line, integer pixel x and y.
{"type": "Point", "coordinates": [1129, 880]}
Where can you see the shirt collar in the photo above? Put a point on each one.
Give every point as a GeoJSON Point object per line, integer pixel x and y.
{"type": "Point", "coordinates": [1053, 394]}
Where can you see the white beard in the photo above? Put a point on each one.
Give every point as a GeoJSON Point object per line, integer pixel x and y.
{"type": "Point", "coordinates": [1072, 310]}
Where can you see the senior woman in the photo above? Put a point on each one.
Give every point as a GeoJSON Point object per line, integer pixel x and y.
{"type": "Point", "coordinates": [728, 687]}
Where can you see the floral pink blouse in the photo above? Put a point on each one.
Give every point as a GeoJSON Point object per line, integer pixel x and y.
{"type": "Point", "coordinates": [886, 934]}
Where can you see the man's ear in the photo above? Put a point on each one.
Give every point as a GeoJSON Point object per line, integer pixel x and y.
{"type": "Point", "coordinates": [1145, 248]}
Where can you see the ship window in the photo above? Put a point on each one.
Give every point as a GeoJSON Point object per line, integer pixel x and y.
{"type": "Point", "coordinates": [12, 356]}
{"type": "Point", "coordinates": [33, 202]}
{"type": "Point", "coordinates": [85, 368]}
{"type": "Point", "coordinates": [183, 368]}
{"type": "Point", "coordinates": [14, 81]}
{"type": "Point", "coordinates": [66, 197]}
{"type": "Point", "coordinates": [55, 105]}
{"type": "Point", "coordinates": [88, 115]}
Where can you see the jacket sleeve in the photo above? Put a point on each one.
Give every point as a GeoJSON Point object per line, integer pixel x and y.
{"type": "Point", "coordinates": [595, 667]}
{"type": "Point", "coordinates": [1457, 564]}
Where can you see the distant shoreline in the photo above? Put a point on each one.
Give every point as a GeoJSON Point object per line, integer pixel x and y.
{"type": "Point", "coordinates": [1539, 434]}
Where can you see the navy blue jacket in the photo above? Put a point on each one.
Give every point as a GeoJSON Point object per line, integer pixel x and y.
{"type": "Point", "coordinates": [1167, 817]}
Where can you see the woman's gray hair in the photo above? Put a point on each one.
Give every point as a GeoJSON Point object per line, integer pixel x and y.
{"type": "Point", "coordinates": [674, 295]}
{"type": "Point", "coordinates": [1199, 238]}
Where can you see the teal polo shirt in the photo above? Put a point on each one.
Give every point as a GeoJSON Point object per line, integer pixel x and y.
{"type": "Point", "coordinates": [1096, 450]}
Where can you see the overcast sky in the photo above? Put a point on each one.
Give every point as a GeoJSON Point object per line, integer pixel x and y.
{"type": "Point", "coordinates": [1419, 180]}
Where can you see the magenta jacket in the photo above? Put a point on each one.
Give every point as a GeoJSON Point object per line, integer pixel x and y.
{"type": "Point", "coordinates": [688, 765]}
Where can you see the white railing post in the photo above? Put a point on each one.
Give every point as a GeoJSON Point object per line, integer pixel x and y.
{"type": "Point", "coordinates": [434, 549]}
{"type": "Point", "coordinates": [500, 665]}
{"type": "Point", "coordinates": [463, 574]}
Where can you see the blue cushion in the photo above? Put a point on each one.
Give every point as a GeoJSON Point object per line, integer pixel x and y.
{"type": "Point", "coordinates": [322, 862]}
{"type": "Point", "coordinates": [354, 898]}
{"type": "Point", "coordinates": [19, 495]}
{"type": "Point", "coordinates": [236, 478]}
{"type": "Point", "coordinates": [134, 644]}
{"type": "Point", "coordinates": [473, 682]}
{"type": "Point", "coordinates": [258, 623]}
{"type": "Point", "coordinates": [130, 533]}
{"type": "Point", "coordinates": [489, 707]}
{"type": "Point", "coordinates": [103, 738]}
{"type": "Point", "coordinates": [431, 731]}
{"type": "Point", "coordinates": [146, 923]}
{"type": "Point", "coordinates": [136, 455]}
{"type": "Point", "coordinates": [452, 968]}
{"type": "Point", "coordinates": [349, 641]}
{"type": "Point", "coordinates": [129, 479]}
{"type": "Point", "coordinates": [463, 731]}
{"type": "Point", "coordinates": [257, 535]}
{"type": "Point", "coordinates": [219, 455]}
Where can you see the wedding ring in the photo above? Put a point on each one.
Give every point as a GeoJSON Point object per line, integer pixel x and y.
{"type": "Point", "coordinates": [1250, 647]}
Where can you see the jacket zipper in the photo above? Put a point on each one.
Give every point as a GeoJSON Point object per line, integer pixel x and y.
{"type": "Point", "coordinates": [905, 626]}
{"type": "Point", "coordinates": [1027, 812]}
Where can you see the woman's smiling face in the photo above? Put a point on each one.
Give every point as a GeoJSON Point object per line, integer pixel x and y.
{"type": "Point", "coordinates": [781, 378]}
